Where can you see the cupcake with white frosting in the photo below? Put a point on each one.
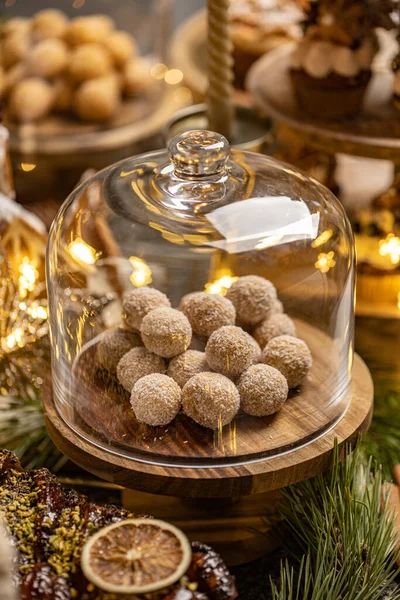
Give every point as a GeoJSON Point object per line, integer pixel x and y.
{"type": "Point", "coordinates": [259, 26]}
{"type": "Point", "coordinates": [332, 65]}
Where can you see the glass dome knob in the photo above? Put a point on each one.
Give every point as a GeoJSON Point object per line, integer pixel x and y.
{"type": "Point", "coordinates": [198, 153]}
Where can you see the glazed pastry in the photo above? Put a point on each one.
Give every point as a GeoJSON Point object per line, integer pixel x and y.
{"type": "Point", "coordinates": [331, 67]}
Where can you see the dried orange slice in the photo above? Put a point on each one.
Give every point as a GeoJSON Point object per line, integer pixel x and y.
{"type": "Point", "coordinates": [136, 556]}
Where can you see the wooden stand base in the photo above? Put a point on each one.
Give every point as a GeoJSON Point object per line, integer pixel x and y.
{"type": "Point", "coordinates": [230, 507]}
{"type": "Point", "coordinates": [240, 529]}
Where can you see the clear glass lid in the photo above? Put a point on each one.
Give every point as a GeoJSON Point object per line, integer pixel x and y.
{"type": "Point", "coordinates": [258, 364]}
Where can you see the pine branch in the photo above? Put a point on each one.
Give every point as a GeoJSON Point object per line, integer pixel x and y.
{"type": "Point", "coordinates": [383, 439]}
{"type": "Point", "coordinates": [342, 537]}
{"type": "Point", "coordinates": [22, 430]}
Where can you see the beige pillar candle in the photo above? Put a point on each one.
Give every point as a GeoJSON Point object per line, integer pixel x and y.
{"type": "Point", "coordinates": [220, 68]}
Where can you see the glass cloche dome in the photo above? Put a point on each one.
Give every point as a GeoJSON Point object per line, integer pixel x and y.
{"type": "Point", "coordinates": [257, 364]}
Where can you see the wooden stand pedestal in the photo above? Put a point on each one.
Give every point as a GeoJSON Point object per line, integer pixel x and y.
{"type": "Point", "coordinates": [226, 506]}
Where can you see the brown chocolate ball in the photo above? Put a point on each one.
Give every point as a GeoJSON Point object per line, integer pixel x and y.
{"type": "Point", "coordinates": [263, 390]}
{"type": "Point", "coordinates": [113, 345]}
{"type": "Point", "coordinates": [137, 363]}
{"type": "Point", "coordinates": [156, 400]}
{"type": "Point", "coordinates": [139, 302]}
{"type": "Point", "coordinates": [252, 297]}
{"type": "Point", "coordinates": [210, 399]}
{"type": "Point", "coordinates": [166, 332]}
{"type": "Point", "coordinates": [291, 356]}
{"type": "Point", "coordinates": [183, 367]}
{"type": "Point", "coordinates": [230, 351]}
{"type": "Point", "coordinates": [274, 326]}
{"type": "Point", "coordinates": [208, 312]}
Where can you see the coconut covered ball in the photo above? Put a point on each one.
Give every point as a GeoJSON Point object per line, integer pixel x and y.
{"type": "Point", "coordinates": [156, 400]}
{"type": "Point", "coordinates": [277, 307]}
{"type": "Point", "coordinates": [257, 351]}
{"type": "Point", "coordinates": [186, 365]}
{"type": "Point", "coordinates": [14, 48]}
{"type": "Point", "coordinates": [263, 390]}
{"type": "Point", "coordinates": [230, 351]}
{"type": "Point", "coordinates": [166, 332]}
{"type": "Point", "coordinates": [208, 312]}
{"type": "Point", "coordinates": [96, 99]}
{"type": "Point", "coordinates": [274, 326]}
{"type": "Point", "coordinates": [291, 356]}
{"type": "Point", "coordinates": [210, 399]}
{"type": "Point", "coordinates": [31, 99]}
{"type": "Point", "coordinates": [88, 29]}
{"type": "Point", "coordinates": [113, 345]}
{"type": "Point", "coordinates": [88, 62]}
{"type": "Point", "coordinates": [51, 23]}
{"type": "Point", "coordinates": [137, 363]}
{"type": "Point", "coordinates": [138, 303]}
{"type": "Point", "coordinates": [185, 300]}
{"type": "Point", "coordinates": [136, 77]}
{"type": "Point", "coordinates": [252, 297]}
{"type": "Point", "coordinates": [121, 47]}
{"type": "Point", "coordinates": [48, 58]}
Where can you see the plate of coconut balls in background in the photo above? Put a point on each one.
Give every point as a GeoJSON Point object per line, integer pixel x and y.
{"type": "Point", "coordinates": [216, 376]}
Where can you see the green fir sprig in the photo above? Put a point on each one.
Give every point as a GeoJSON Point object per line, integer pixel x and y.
{"type": "Point", "coordinates": [341, 536]}
{"type": "Point", "coordinates": [23, 430]}
{"type": "Point", "coordinates": [383, 438]}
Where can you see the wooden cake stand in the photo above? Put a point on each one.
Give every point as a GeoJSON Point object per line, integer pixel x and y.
{"type": "Point", "coordinates": [230, 506]}
{"type": "Point", "coordinates": [373, 133]}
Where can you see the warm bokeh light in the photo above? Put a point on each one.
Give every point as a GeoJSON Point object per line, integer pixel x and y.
{"type": "Point", "coordinates": [221, 285]}
{"type": "Point", "coordinates": [158, 71]}
{"type": "Point", "coordinates": [37, 311]}
{"type": "Point", "coordinates": [14, 339]}
{"type": "Point", "coordinates": [82, 252]}
{"type": "Point", "coordinates": [141, 273]}
{"type": "Point", "coordinates": [27, 167]}
{"type": "Point", "coordinates": [325, 261]}
{"type": "Point", "coordinates": [183, 95]}
{"type": "Point", "coordinates": [322, 238]}
{"type": "Point", "coordinates": [173, 76]}
{"type": "Point", "coordinates": [390, 247]}
{"type": "Point", "coordinates": [27, 276]}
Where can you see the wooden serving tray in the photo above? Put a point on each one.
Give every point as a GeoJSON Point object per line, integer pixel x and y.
{"type": "Point", "coordinates": [265, 474]}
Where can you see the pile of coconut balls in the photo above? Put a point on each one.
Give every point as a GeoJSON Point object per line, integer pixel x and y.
{"type": "Point", "coordinates": [201, 359]}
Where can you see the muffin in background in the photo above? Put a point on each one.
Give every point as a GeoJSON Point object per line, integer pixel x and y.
{"type": "Point", "coordinates": [331, 67]}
